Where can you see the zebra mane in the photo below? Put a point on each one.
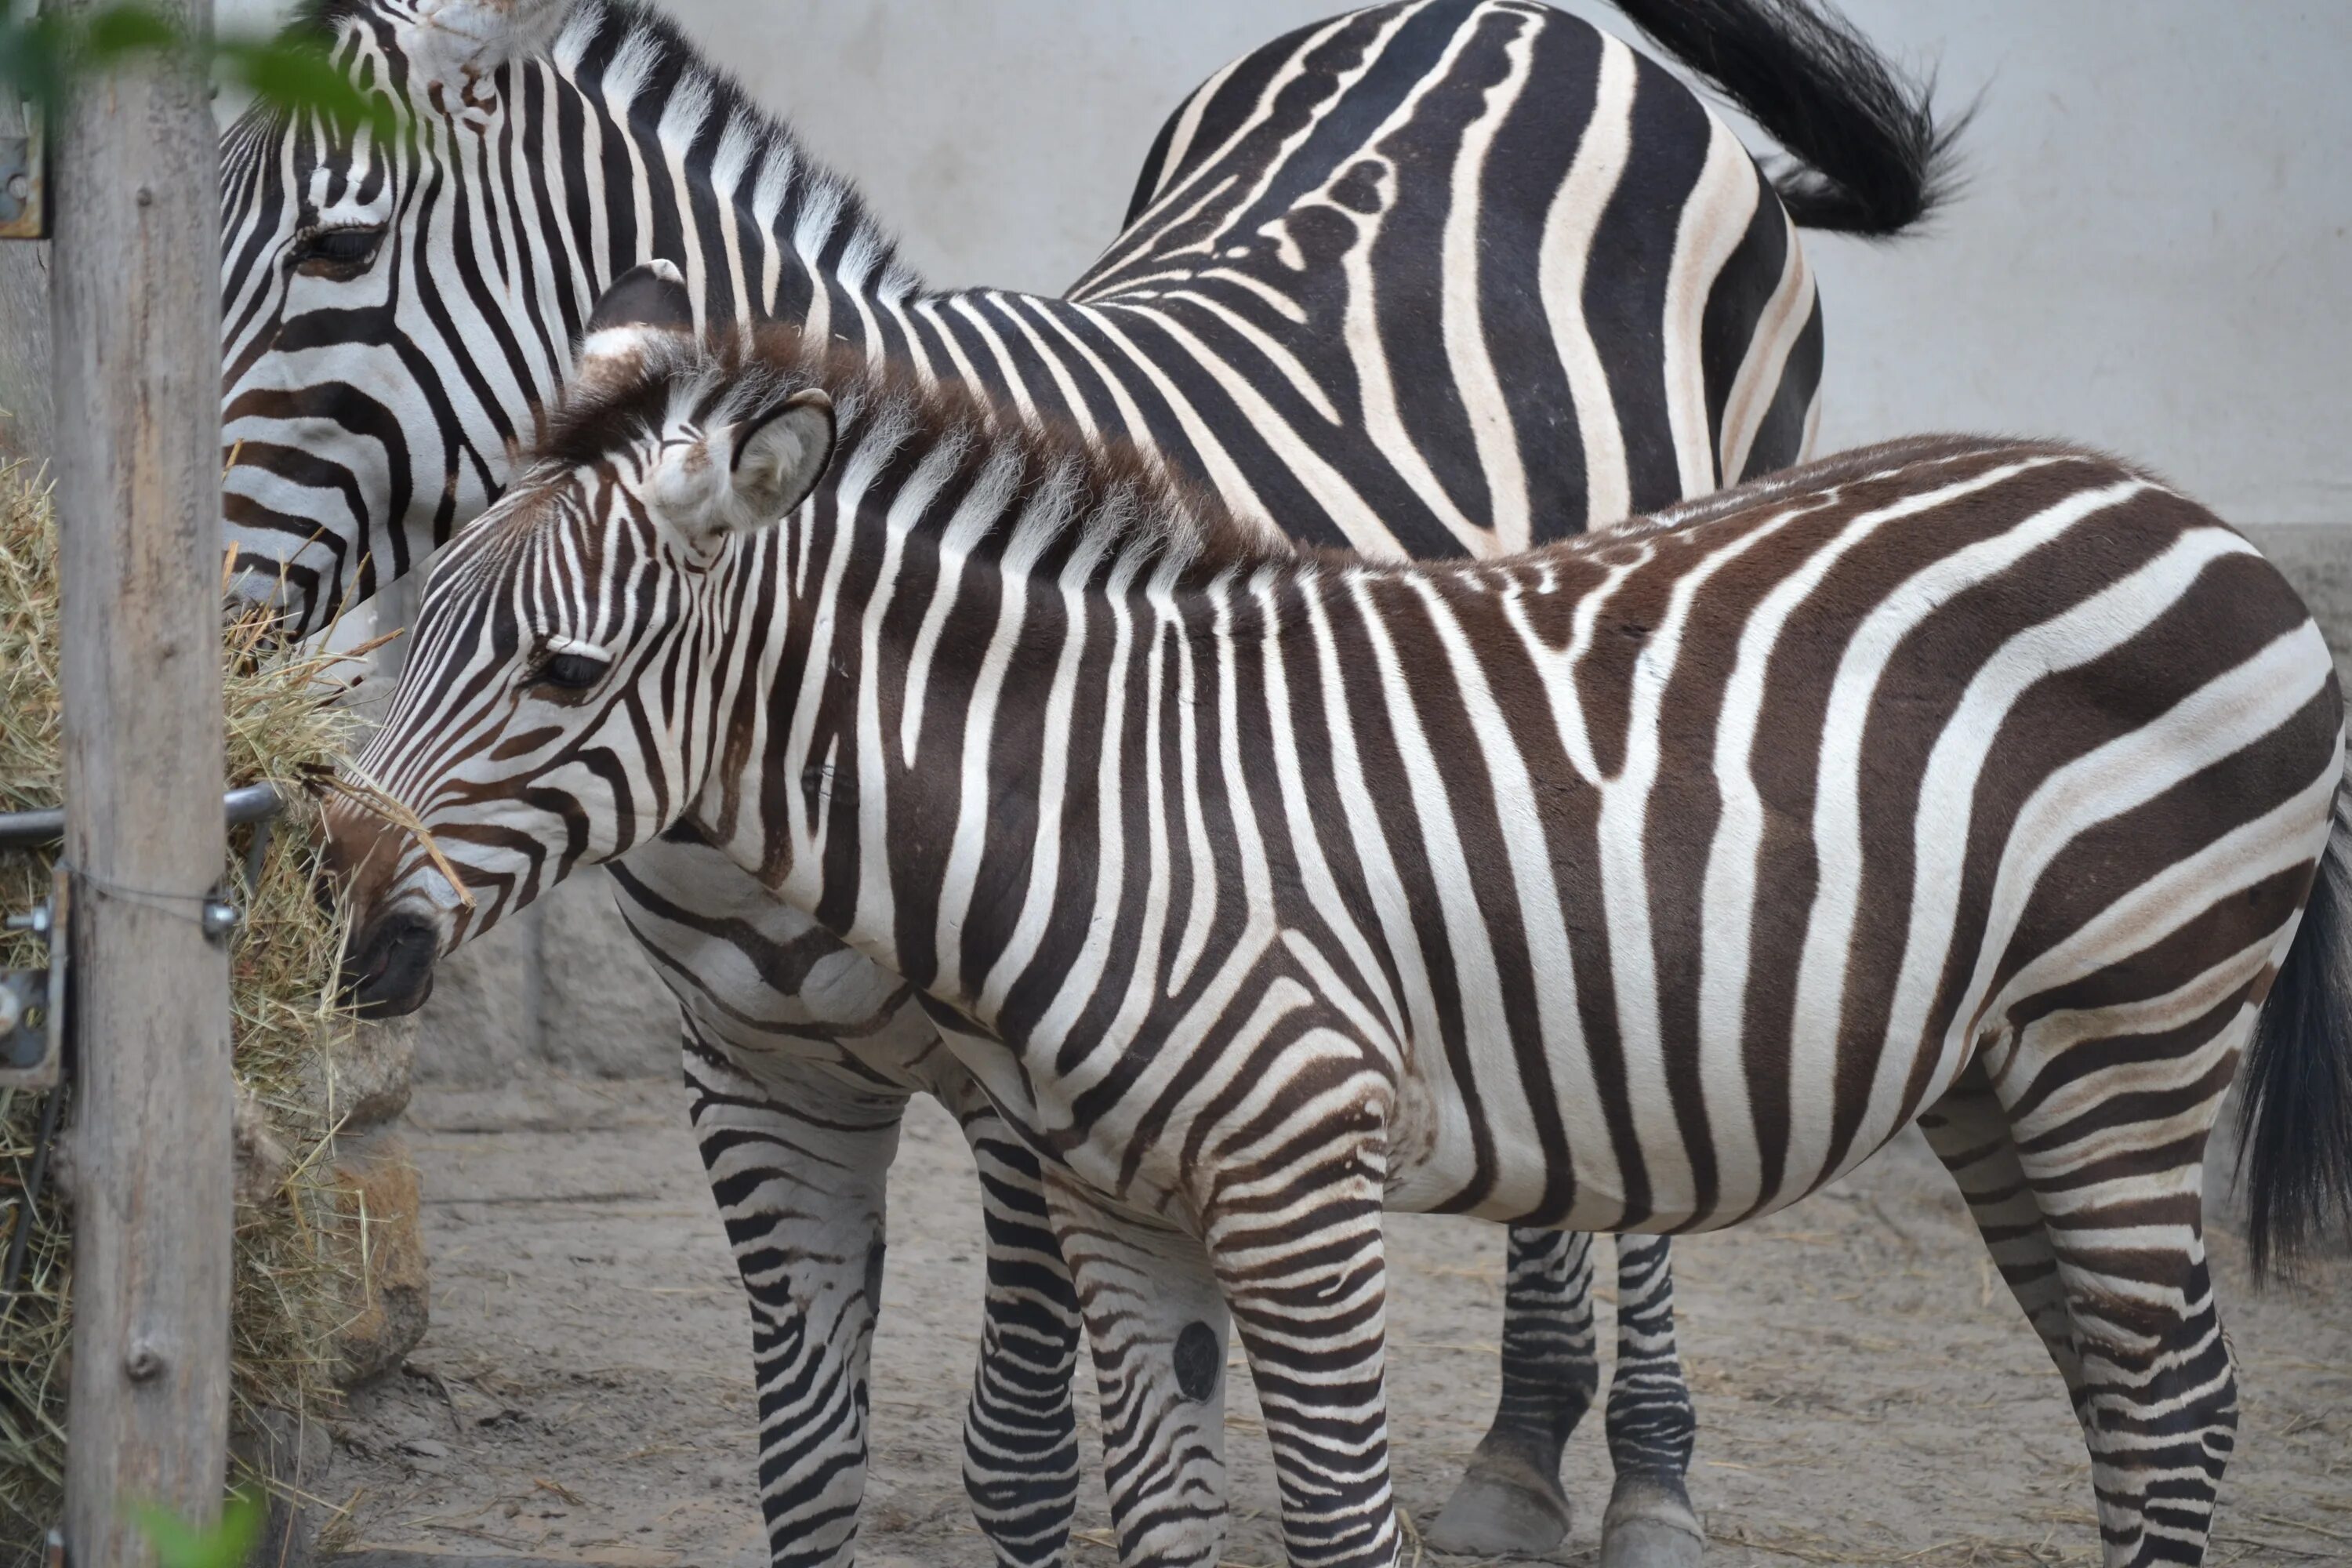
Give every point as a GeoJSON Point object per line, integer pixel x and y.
{"type": "Point", "coordinates": [1106, 501]}
{"type": "Point", "coordinates": [599, 41]}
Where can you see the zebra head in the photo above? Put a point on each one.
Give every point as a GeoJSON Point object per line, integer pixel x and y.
{"type": "Point", "coordinates": [559, 705]}
{"type": "Point", "coordinates": [393, 307]}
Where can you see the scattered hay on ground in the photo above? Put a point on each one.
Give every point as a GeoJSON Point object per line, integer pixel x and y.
{"type": "Point", "coordinates": [291, 1278]}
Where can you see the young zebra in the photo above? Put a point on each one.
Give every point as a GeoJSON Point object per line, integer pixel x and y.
{"type": "Point", "coordinates": [1622, 314]}
{"type": "Point", "coordinates": [1265, 889]}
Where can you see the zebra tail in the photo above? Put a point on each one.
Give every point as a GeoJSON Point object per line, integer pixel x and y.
{"type": "Point", "coordinates": [2295, 1118]}
{"type": "Point", "coordinates": [1872, 161]}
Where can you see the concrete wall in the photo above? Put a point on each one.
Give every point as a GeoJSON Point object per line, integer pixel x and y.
{"type": "Point", "coordinates": [2153, 252]}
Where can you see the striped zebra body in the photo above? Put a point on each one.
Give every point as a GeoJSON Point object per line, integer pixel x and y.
{"type": "Point", "coordinates": [1262, 892]}
{"type": "Point", "coordinates": [1622, 316]}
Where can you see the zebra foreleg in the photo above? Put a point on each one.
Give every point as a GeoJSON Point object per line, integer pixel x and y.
{"type": "Point", "coordinates": [1300, 1256]}
{"type": "Point", "coordinates": [1020, 1433]}
{"type": "Point", "coordinates": [799, 1179]}
{"type": "Point", "coordinates": [1510, 1502]}
{"type": "Point", "coordinates": [1156, 1322]}
{"type": "Point", "coordinates": [1651, 1426]}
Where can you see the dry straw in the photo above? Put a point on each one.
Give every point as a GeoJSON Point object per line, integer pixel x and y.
{"type": "Point", "coordinates": [293, 1268]}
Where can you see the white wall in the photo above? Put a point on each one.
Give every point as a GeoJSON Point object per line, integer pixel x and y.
{"type": "Point", "coordinates": [2154, 251]}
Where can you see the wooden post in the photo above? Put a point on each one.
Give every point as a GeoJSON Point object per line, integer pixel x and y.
{"type": "Point", "coordinates": [136, 308]}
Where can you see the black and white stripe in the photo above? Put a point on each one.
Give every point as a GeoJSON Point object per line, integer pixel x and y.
{"type": "Point", "coordinates": [1432, 278]}
{"type": "Point", "coordinates": [1647, 882]}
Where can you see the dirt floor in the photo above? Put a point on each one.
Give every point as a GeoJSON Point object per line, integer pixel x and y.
{"type": "Point", "coordinates": [1867, 1393]}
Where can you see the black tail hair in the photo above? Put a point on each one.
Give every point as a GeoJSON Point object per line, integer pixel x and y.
{"type": "Point", "coordinates": [1873, 160]}
{"type": "Point", "coordinates": [2295, 1121]}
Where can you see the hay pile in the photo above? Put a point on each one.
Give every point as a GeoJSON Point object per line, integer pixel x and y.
{"type": "Point", "coordinates": [293, 1269]}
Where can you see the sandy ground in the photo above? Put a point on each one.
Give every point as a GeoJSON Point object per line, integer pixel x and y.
{"type": "Point", "coordinates": [1867, 1393]}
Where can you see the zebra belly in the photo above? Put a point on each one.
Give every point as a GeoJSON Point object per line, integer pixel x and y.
{"type": "Point", "coordinates": [1576, 1142]}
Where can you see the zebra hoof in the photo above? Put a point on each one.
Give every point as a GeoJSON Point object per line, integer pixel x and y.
{"type": "Point", "coordinates": [1501, 1508]}
{"type": "Point", "coordinates": [1650, 1525]}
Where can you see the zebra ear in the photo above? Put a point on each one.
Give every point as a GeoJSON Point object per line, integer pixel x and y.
{"type": "Point", "coordinates": [639, 304]}
{"type": "Point", "coordinates": [453, 44]}
{"type": "Point", "coordinates": [780, 455]}
{"type": "Point", "coordinates": [741, 478]}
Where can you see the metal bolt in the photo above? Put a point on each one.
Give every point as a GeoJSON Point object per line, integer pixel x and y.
{"type": "Point", "coordinates": [220, 918]}
{"type": "Point", "coordinates": [145, 1363]}
{"type": "Point", "coordinates": [20, 189]}
{"type": "Point", "coordinates": [37, 922]}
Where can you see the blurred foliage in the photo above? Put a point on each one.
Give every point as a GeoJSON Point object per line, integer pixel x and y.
{"type": "Point", "coordinates": [43, 55]}
{"type": "Point", "coordinates": [228, 1544]}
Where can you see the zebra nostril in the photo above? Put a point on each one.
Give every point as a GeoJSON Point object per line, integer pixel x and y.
{"type": "Point", "coordinates": [388, 970]}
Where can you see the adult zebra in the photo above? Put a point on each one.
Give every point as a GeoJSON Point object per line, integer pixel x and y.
{"type": "Point", "coordinates": [1651, 879]}
{"type": "Point", "coordinates": [1614, 286]}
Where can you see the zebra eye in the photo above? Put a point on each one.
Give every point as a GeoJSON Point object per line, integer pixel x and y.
{"type": "Point", "coordinates": [571, 671]}
{"type": "Point", "coordinates": [337, 252]}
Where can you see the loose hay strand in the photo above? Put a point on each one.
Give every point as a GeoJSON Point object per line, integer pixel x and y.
{"type": "Point", "coordinates": [293, 1274]}
{"type": "Point", "coordinates": [358, 788]}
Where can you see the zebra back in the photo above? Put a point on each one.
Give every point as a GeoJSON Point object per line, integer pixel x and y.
{"type": "Point", "coordinates": [1434, 278]}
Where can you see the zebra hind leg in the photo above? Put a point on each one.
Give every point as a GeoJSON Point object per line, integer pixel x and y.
{"type": "Point", "coordinates": [1510, 1502]}
{"type": "Point", "coordinates": [1157, 1324]}
{"type": "Point", "coordinates": [2158, 1396]}
{"type": "Point", "coordinates": [1970, 1132]}
{"type": "Point", "coordinates": [2154, 1387]}
{"type": "Point", "coordinates": [1651, 1426]}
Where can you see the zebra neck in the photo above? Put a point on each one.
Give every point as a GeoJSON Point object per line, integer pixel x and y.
{"type": "Point", "coordinates": [971, 724]}
{"type": "Point", "coordinates": [676, 162]}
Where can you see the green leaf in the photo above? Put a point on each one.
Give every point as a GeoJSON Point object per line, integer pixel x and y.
{"type": "Point", "coordinates": [120, 30]}
{"type": "Point", "coordinates": [32, 57]}
{"type": "Point", "coordinates": [42, 56]}
{"type": "Point", "coordinates": [299, 75]}
{"type": "Point", "coordinates": [179, 1544]}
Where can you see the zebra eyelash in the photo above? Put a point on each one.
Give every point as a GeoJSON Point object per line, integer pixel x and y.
{"type": "Point", "coordinates": [336, 250]}
{"type": "Point", "coordinates": [568, 674]}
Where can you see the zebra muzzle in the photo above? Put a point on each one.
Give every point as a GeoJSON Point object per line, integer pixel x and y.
{"type": "Point", "coordinates": [388, 972]}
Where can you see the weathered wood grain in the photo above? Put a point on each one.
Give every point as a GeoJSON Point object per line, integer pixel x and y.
{"type": "Point", "coordinates": [136, 311]}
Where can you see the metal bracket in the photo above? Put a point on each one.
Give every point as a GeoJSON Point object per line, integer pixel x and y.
{"type": "Point", "coordinates": [24, 181]}
{"type": "Point", "coordinates": [32, 1001]}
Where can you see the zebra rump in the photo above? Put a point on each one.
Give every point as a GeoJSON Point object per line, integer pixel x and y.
{"type": "Point", "coordinates": [1870, 158]}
